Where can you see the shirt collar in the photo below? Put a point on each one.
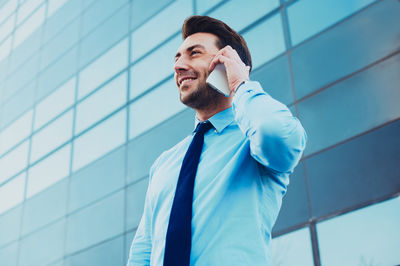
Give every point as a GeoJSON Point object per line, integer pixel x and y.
{"type": "Point", "coordinates": [219, 121]}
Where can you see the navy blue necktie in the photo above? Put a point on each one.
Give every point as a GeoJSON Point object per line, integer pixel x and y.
{"type": "Point", "coordinates": [179, 233]}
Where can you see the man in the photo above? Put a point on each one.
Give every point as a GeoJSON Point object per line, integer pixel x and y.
{"type": "Point", "coordinates": [214, 197]}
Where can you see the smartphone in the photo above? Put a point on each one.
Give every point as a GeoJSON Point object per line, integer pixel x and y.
{"type": "Point", "coordinates": [218, 80]}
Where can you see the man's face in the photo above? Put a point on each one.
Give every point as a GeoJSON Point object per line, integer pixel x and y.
{"type": "Point", "coordinates": [191, 70]}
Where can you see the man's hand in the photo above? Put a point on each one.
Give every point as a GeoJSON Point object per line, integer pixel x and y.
{"type": "Point", "coordinates": [236, 70]}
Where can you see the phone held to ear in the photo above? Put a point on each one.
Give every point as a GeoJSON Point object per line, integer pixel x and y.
{"type": "Point", "coordinates": [218, 80]}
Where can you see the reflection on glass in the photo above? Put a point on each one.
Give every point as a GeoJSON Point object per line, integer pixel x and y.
{"type": "Point", "coordinates": [55, 103]}
{"type": "Point", "coordinates": [101, 103]}
{"type": "Point", "coordinates": [165, 23]}
{"type": "Point", "coordinates": [103, 68]}
{"type": "Point", "coordinates": [16, 132]}
{"type": "Point", "coordinates": [12, 193]}
{"type": "Point", "coordinates": [153, 68]}
{"type": "Point", "coordinates": [14, 161]}
{"type": "Point", "coordinates": [165, 102]}
{"type": "Point", "coordinates": [100, 140]}
{"type": "Point", "coordinates": [7, 27]}
{"type": "Point", "coordinates": [266, 40]}
{"type": "Point", "coordinates": [292, 249]}
{"type": "Point", "coordinates": [369, 236]}
{"type": "Point", "coordinates": [29, 26]}
{"type": "Point", "coordinates": [52, 136]}
{"type": "Point", "coordinates": [7, 8]}
{"type": "Point", "coordinates": [49, 171]}
{"type": "Point", "coordinates": [204, 5]}
{"type": "Point", "coordinates": [5, 49]}
{"type": "Point", "coordinates": [248, 13]}
{"type": "Point", "coordinates": [308, 17]}
{"type": "Point", "coordinates": [26, 9]}
{"type": "Point", "coordinates": [54, 5]}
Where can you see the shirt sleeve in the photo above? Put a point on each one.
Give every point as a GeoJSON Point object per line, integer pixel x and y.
{"type": "Point", "coordinates": [140, 250]}
{"type": "Point", "coordinates": [277, 138]}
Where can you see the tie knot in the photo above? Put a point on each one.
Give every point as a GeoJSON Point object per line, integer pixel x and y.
{"type": "Point", "coordinates": [203, 127]}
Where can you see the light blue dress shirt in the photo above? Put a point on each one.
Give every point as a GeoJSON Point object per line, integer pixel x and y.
{"type": "Point", "coordinates": [242, 176]}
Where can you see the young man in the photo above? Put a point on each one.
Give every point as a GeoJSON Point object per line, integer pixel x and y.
{"type": "Point", "coordinates": [214, 197]}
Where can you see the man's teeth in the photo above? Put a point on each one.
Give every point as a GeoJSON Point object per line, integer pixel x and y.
{"type": "Point", "coordinates": [188, 79]}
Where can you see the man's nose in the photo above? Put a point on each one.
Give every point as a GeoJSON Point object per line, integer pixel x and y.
{"type": "Point", "coordinates": [180, 65]}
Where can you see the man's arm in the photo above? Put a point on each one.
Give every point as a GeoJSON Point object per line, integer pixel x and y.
{"type": "Point", "coordinates": [277, 139]}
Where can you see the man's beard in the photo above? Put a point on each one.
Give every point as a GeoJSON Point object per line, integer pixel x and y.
{"type": "Point", "coordinates": [202, 98]}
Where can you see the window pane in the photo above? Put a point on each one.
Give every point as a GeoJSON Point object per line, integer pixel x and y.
{"type": "Point", "coordinates": [55, 103]}
{"type": "Point", "coordinates": [54, 5]}
{"type": "Point", "coordinates": [29, 26]}
{"type": "Point", "coordinates": [204, 5]}
{"type": "Point", "coordinates": [153, 68]}
{"type": "Point", "coordinates": [12, 193]}
{"type": "Point", "coordinates": [369, 236]}
{"type": "Point", "coordinates": [100, 140]}
{"type": "Point", "coordinates": [7, 27]}
{"type": "Point", "coordinates": [308, 17]}
{"type": "Point", "coordinates": [7, 9]}
{"type": "Point", "coordinates": [16, 132]}
{"type": "Point", "coordinates": [266, 40]}
{"type": "Point", "coordinates": [26, 9]}
{"type": "Point", "coordinates": [248, 13]}
{"type": "Point", "coordinates": [49, 171]}
{"type": "Point", "coordinates": [14, 161]}
{"type": "Point", "coordinates": [165, 102]}
{"type": "Point", "coordinates": [52, 136]}
{"type": "Point", "coordinates": [160, 27]}
{"type": "Point", "coordinates": [292, 248]}
{"type": "Point", "coordinates": [101, 103]}
{"type": "Point", "coordinates": [103, 68]}
{"type": "Point", "coordinates": [5, 49]}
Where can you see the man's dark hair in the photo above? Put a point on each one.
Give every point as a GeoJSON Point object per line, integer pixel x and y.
{"type": "Point", "coordinates": [225, 34]}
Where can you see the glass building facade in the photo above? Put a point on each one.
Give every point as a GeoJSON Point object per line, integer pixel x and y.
{"type": "Point", "coordinates": [88, 102]}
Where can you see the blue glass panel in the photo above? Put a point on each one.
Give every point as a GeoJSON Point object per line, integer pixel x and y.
{"type": "Point", "coordinates": [60, 18]}
{"type": "Point", "coordinates": [166, 23]}
{"type": "Point", "coordinates": [45, 207]}
{"type": "Point", "coordinates": [52, 136]}
{"type": "Point", "coordinates": [54, 5]}
{"type": "Point", "coordinates": [135, 202]}
{"type": "Point", "coordinates": [8, 254]}
{"type": "Point", "coordinates": [12, 193]}
{"type": "Point", "coordinates": [7, 27]}
{"type": "Point", "coordinates": [104, 37]}
{"type": "Point", "coordinates": [29, 26]}
{"type": "Point", "coordinates": [5, 49]}
{"type": "Point", "coordinates": [248, 13]}
{"type": "Point", "coordinates": [57, 73]}
{"type": "Point", "coordinates": [105, 254]}
{"type": "Point", "coordinates": [165, 97]}
{"type": "Point", "coordinates": [55, 103]}
{"type": "Point", "coordinates": [96, 223]}
{"type": "Point", "coordinates": [101, 103]}
{"type": "Point", "coordinates": [265, 41]}
{"type": "Point", "coordinates": [292, 249]}
{"type": "Point", "coordinates": [105, 175]}
{"type": "Point", "coordinates": [14, 161]}
{"type": "Point", "coordinates": [162, 58]}
{"type": "Point", "coordinates": [49, 171]}
{"type": "Point", "coordinates": [26, 8]}
{"type": "Point", "coordinates": [100, 140]}
{"type": "Point", "coordinates": [308, 17]}
{"type": "Point", "coordinates": [16, 132]}
{"type": "Point", "coordinates": [7, 9]}
{"type": "Point", "coordinates": [363, 169]}
{"type": "Point", "coordinates": [103, 68]}
{"type": "Point", "coordinates": [98, 12]}
{"type": "Point", "coordinates": [18, 104]}
{"type": "Point", "coordinates": [204, 5]}
{"type": "Point", "coordinates": [128, 241]}
{"type": "Point", "coordinates": [369, 236]}
{"type": "Point", "coordinates": [352, 106]}
{"type": "Point", "coordinates": [141, 10]}
{"type": "Point", "coordinates": [10, 223]}
{"type": "Point", "coordinates": [44, 246]}
{"type": "Point", "coordinates": [345, 48]}
{"type": "Point", "coordinates": [61, 43]}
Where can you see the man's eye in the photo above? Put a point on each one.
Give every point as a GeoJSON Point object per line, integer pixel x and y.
{"type": "Point", "coordinates": [194, 52]}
